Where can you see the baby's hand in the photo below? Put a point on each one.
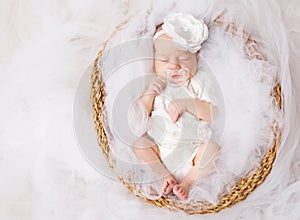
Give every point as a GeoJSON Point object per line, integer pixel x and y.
{"type": "Point", "coordinates": [176, 108]}
{"type": "Point", "coordinates": [157, 86]}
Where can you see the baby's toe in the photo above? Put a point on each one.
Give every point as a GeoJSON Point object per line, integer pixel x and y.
{"type": "Point", "coordinates": [180, 192]}
{"type": "Point", "coordinates": [176, 188]}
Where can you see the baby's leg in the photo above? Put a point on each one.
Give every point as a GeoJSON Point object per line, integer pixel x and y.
{"type": "Point", "coordinates": [202, 164]}
{"type": "Point", "coordinates": [147, 150]}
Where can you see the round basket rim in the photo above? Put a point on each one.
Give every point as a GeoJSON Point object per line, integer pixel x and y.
{"type": "Point", "coordinates": [245, 185]}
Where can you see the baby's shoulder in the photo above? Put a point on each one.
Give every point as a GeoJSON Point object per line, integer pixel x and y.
{"type": "Point", "coordinates": [197, 85]}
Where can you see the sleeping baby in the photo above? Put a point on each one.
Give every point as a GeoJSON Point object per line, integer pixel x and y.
{"type": "Point", "coordinates": [177, 143]}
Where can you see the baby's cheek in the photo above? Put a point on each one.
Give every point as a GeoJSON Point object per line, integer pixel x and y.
{"type": "Point", "coordinates": [193, 67]}
{"type": "Point", "coordinates": [160, 68]}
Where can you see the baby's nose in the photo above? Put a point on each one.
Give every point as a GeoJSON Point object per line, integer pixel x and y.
{"type": "Point", "coordinates": [173, 66]}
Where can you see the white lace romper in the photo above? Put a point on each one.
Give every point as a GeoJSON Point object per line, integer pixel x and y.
{"type": "Point", "coordinates": [178, 142]}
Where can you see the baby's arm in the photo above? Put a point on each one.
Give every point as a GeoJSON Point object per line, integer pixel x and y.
{"type": "Point", "coordinates": [201, 109]}
{"type": "Point", "coordinates": [148, 100]}
{"type": "Point", "coordinates": [155, 88]}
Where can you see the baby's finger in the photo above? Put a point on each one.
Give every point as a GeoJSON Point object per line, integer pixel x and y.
{"type": "Point", "coordinates": [175, 116]}
{"type": "Point", "coordinates": [160, 80]}
{"type": "Point", "coordinates": [158, 86]}
{"type": "Point", "coordinates": [163, 82]}
{"type": "Point", "coordinates": [173, 113]}
{"type": "Point", "coordinates": [155, 92]}
{"type": "Point", "coordinates": [156, 83]}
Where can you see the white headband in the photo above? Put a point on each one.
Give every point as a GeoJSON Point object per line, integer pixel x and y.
{"type": "Point", "coordinates": [187, 32]}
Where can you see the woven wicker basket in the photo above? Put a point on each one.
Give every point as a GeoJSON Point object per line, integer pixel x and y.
{"type": "Point", "coordinates": [245, 185]}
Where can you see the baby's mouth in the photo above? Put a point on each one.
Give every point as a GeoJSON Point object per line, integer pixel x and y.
{"type": "Point", "coordinates": [176, 76]}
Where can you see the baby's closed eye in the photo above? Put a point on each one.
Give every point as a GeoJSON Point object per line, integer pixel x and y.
{"type": "Point", "coordinates": [184, 59]}
{"type": "Point", "coordinates": [164, 60]}
{"type": "Point", "coordinates": [161, 58]}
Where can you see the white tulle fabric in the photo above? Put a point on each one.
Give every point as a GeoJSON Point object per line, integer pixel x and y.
{"type": "Point", "coordinates": [247, 108]}
{"type": "Point", "coordinates": [46, 46]}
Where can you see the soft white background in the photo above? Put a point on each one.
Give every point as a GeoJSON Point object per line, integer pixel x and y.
{"type": "Point", "coordinates": [46, 46]}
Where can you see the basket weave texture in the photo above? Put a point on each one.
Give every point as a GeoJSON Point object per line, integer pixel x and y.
{"type": "Point", "coordinates": [245, 185]}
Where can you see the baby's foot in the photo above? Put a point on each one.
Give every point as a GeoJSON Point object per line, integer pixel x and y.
{"type": "Point", "coordinates": [182, 189]}
{"type": "Point", "coordinates": [168, 183]}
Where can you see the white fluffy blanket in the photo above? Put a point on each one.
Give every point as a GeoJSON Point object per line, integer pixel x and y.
{"type": "Point", "coordinates": [45, 49]}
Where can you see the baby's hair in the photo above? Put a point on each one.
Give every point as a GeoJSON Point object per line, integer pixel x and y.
{"type": "Point", "coordinates": [158, 28]}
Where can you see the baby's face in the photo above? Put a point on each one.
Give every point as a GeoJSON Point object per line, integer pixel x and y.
{"type": "Point", "coordinates": [167, 56]}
